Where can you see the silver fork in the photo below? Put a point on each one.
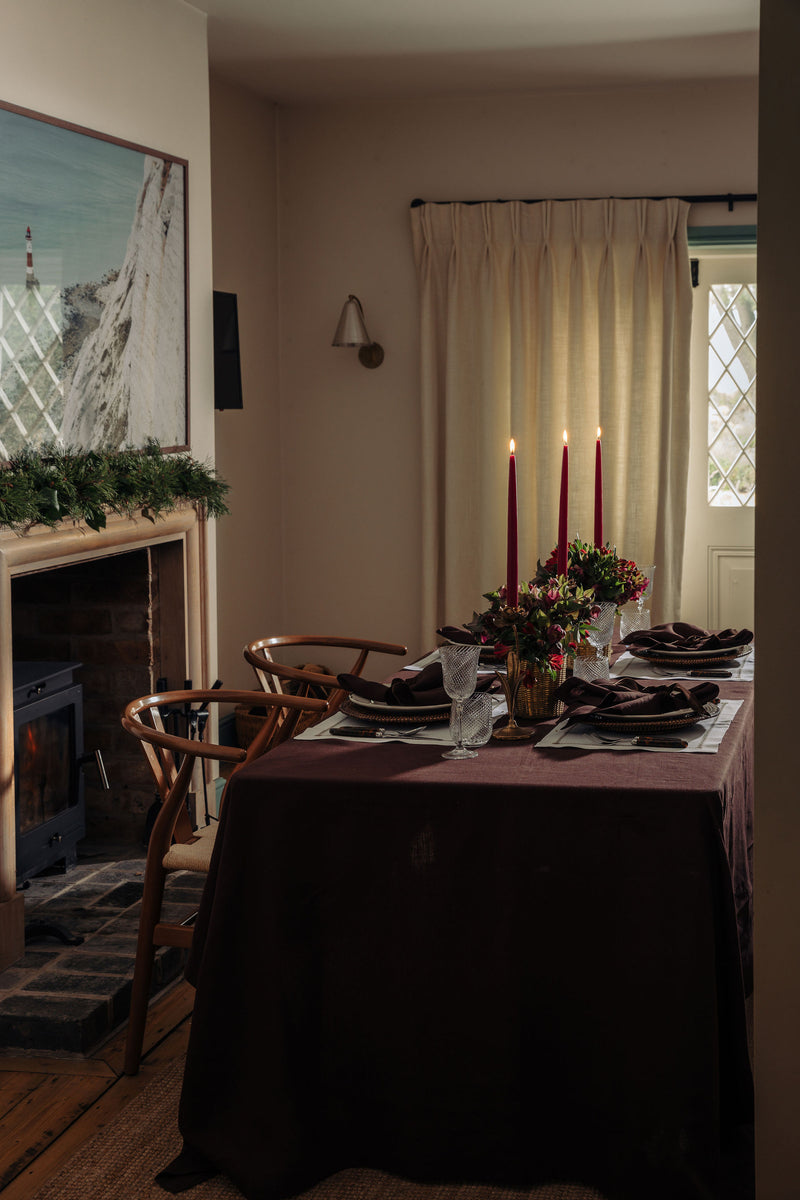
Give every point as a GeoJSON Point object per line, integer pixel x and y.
{"type": "Point", "coordinates": [615, 740]}
{"type": "Point", "coordinates": [642, 740]}
{"type": "Point", "coordinates": [379, 731]}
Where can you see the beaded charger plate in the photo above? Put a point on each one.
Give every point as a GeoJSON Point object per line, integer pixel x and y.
{"type": "Point", "coordinates": [652, 722]}
{"type": "Point", "coordinates": [674, 657]}
{"type": "Point", "coordinates": [395, 714]}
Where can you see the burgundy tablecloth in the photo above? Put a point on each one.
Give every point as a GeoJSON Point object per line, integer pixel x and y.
{"type": "Point", "coordinates": [518, 967]}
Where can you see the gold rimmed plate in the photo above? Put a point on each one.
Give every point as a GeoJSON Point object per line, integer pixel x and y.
{"type": "Point", "coordinates": [395, 714]}
{"type": "Point", "coordinates": [651, 722]}
{"type": "Point", "coordinates": [669, 656]}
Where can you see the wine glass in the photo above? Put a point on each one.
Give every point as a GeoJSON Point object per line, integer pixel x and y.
{"type": "Point", "coordinates": [638, 617]}
{"type": "Point", "coordinates": [599, 635]}
{"type": "Point", "coordinates": [460, 676]}
{"type": "Point", "coordinates": [648, 572]}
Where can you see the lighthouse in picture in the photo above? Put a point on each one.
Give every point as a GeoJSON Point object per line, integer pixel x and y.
{"type": "Point", "coordinates": [30, 278]}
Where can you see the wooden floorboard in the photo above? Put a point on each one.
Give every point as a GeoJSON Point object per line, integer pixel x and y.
{"type": "Point", "coordinates": [50, 1107]}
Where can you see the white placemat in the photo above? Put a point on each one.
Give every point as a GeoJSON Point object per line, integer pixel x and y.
{"type": "Point", "coordinates": [703, 738]}
{"type": "Point", "coordinates": [432, 735]}
{"type": "Point", "coordinates": [628, 666]}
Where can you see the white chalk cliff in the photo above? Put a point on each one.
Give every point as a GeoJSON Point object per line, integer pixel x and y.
{"type": "Point", "coordinates": [128, 380]}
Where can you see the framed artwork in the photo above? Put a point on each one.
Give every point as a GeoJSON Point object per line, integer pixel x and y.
{"type": "Point", "coordinates": [93, 289]}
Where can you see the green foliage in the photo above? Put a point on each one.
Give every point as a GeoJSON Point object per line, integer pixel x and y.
{"type": "Point", "coordinates": [56, 483]}
{"type": "Point", "coordinates": [601, 570]}
{"type": "Point", "coordinates": [551, 617]}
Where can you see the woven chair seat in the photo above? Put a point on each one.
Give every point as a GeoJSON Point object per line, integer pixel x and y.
{"type": "Point", "coordinates": [192, 856]}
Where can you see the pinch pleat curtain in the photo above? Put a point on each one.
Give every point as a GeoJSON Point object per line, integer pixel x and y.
{"type": "Point", "coordinates": [536, 318]}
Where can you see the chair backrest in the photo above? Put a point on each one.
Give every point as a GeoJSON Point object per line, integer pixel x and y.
{"type": "Point", "coordinates": [172, 756]}
{"type": "Point", "coordinates": [278, 679]}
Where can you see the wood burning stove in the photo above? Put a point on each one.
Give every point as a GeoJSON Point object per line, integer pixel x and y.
{"type": "Point", "coordinates": [48, 757]}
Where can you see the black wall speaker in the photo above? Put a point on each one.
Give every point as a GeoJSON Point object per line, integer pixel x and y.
{"type": "Point", "coordinates": [227, 367]}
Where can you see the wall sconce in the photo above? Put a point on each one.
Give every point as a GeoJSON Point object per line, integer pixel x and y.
{"type": "Point", "coordinates": [352, 331]}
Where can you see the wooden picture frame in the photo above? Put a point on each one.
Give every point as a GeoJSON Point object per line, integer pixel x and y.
{"type": "Point", "coordinates": [94, 330]}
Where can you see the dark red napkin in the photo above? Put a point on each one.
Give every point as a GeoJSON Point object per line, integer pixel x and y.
{"type": "Point", "coordinates": [423, 687]}
{"type": "Point", "coordinates": [629, 698]}
{"type": "Point", "coordinates": [458, 634]}
{"type": "Point", "coordinates": [679, 635]}
{"type": "Point", "coordinates": [465, 637]}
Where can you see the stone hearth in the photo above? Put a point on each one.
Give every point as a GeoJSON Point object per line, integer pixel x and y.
{"type": "Point", "coordinates": [67, 999]}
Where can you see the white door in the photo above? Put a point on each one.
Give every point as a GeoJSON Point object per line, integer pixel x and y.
{"type": "Point", "coordinates": [719, 556]}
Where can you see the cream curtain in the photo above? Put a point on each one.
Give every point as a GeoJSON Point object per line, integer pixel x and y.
{"type": "Point", "coordinates": [536, 318]}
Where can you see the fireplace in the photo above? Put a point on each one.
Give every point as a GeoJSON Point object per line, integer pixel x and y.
{"type": "Point", "coordinates": [48, 753]}
{"type": "Point", "coordinates": [178, 540]}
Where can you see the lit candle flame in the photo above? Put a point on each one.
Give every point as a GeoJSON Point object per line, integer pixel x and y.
{"type": "Point", "coordinates": [565, 437]}
{"type": "Point", "coordinates": [599, 431]}
{"type": "Point", "coordinates": [511, 446]}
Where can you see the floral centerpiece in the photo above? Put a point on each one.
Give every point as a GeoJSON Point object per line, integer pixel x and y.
{"type": "Point", "coordinates": [551, 616]}
{"type": "Point", "coordinates": [599, 569]}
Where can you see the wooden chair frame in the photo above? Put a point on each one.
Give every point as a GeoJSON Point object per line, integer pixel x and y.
{"type": "Point", "coordinates": [172, 760]}
{"type": "Point", "coordinates": [272, 675]}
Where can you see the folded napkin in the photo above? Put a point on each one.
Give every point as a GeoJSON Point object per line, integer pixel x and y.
{"type": "Point", "coordinates": [679, 635]}
{"type": "Point", "coordinates": [628, 697]}
{"type": "Point", "coordinates": [425, 688]}
{"type": "Point", "coordinates": [465, 637]}
{"type": "Point", "coordinates": [458, 634]}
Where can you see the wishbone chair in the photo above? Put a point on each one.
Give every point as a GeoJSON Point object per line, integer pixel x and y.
{"type": "Point", "coordinates": [173, 844]}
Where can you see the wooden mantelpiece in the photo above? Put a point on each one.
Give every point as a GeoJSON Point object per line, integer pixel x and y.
{"type": "Point", "coordinates": [43, 549]}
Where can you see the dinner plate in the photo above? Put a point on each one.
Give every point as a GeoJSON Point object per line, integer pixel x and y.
{"type": "Point", "coordinates": [681, 657]}
{"type": "Point", "coordinates": [379, 707]}
{"type": "Point", "coordinates": [397, 714]}
{"type": "Point", "coordinates": [651, 722]}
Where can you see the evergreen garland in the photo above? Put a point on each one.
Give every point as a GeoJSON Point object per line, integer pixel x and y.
{"type": "Point", "coordinates": [57, 483]}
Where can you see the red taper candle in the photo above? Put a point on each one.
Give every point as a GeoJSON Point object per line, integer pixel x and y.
{"type": "Point", "coordinates": [512, 567]}
{"type": "Point", "coordinates": [598, 491]}
{"type": "Point", "coordinates": [561, 558]}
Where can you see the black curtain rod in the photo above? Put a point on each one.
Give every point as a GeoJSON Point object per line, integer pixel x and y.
{"type": "Point", "coordinates": [729, 198]}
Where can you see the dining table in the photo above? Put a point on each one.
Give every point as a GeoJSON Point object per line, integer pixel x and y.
{"type": "Point", "coordinates": [531, 964]}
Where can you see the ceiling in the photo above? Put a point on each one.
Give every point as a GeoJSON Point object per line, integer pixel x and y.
{"type": "Point", "coordinates": [295, 51]}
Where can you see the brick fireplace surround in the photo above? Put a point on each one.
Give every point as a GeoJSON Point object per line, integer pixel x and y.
{"type": "Point", "coordinates": [176, 544]}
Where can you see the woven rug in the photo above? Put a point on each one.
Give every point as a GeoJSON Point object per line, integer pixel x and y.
{"type": "Point", "coordinates": [121, 1161]}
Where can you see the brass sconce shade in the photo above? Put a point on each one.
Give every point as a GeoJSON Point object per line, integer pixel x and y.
{"type": "Point", "coordinates": [352, 331]}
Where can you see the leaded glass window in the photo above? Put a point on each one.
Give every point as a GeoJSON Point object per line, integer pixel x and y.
{"type": "Point", "coordinates": [732, 312]}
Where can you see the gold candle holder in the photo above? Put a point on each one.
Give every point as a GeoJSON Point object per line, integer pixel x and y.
{"type": "Point", "coordinates": [510, 683]}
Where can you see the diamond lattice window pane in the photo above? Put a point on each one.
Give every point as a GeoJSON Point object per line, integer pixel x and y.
{"type": "Point", "coordinates": [716, 369]}
{"type": "Point", "coordinates": [743, 424]}
{"type": "Point", "coordinates": [31, 358]}
{"type": "Point", "coordinates": [725, 395]}
{"type": "Point", "coordinates": [726, 450]}
{"type": "Point", "coordinates": [726, 340]}
{"type": "Point", "coordinates": [716, 311]}
{"type": "Point", "coordinates": [743, 312]}
{"type": "Point", "coordinates": [743, 368]}
{"type": "Point", "coordinates": [743, 479]}
{"type": "Point", "coordinates": [732, 314]}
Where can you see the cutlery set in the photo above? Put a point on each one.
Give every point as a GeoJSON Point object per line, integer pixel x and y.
{"type": "Point", "coordinates": [374, 732]}
{"type": "Point", "coordinates": [643, 741]}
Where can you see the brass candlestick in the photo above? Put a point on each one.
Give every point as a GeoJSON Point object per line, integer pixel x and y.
{"type": "Point", "coordinates": [510, 683]}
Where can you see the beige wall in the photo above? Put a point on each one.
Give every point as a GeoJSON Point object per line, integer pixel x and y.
{"type": "Point", "coordinates": [347, 174]}
{"type": "Point", "coordinates": [248, 440]}
{"type": "Point", "coordinates": [137, 70]}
